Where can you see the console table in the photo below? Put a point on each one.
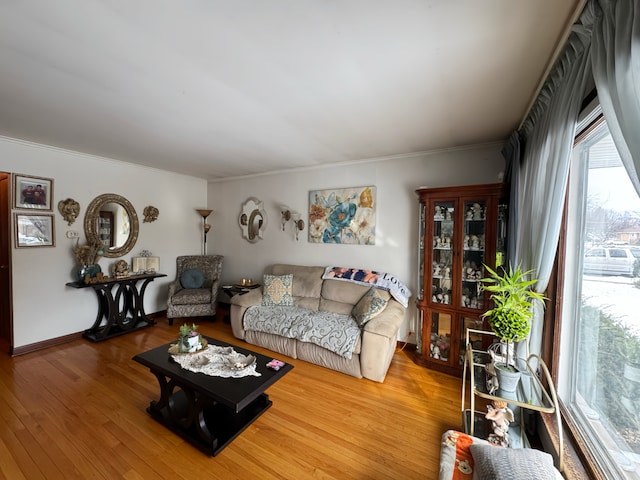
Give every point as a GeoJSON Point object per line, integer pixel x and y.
{"type": "Point", "coordinates": [120, 309]}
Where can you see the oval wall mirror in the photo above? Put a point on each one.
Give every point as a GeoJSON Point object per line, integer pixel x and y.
{"type": "Point", "coordinates": [252, 220]}
{"type": "Point", "coordinates": [112, 219]}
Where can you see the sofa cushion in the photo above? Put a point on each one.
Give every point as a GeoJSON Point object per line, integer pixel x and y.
{"type": "Point", "coordinates": [370, 305]}
{"type": "Point", "coordinates": [521, 463]}
{"type": "Point", "coordinates": [277, 290]}
{"type": "Point", "coordinates": [192, 278]}
{"type": "Point", "coordinates": [343, 292]}
{"type": "Point", "coordinates": [308, 280]}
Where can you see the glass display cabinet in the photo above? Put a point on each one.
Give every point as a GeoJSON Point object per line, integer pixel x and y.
{"type": "Point", "coordinates": [461, 229]}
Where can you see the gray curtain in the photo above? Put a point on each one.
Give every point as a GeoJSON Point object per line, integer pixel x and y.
{"type": "Point", "coordinates": [547, 140]}
{"type": "Point", "coordinates": [616, 71]}
{"type": "Point", "coordinates": [512, 154]}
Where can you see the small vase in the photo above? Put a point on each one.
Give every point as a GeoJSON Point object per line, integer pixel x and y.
{"type": "Point", "coordinates": [91, 270]}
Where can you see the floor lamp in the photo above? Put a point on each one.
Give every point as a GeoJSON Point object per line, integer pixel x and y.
{"type": "Point", "coordinates": [205, 227]}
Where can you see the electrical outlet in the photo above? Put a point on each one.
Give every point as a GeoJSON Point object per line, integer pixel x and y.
{"type": "Point", "coordinates": [73, 234]}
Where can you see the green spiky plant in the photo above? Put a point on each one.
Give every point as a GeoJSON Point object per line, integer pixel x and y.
{"type": "Point", "coordinates": [513, 299]}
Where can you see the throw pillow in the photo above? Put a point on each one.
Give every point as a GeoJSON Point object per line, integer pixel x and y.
{"type": "Point", "coordinates": [522, 463]}
{"type": "Point", "coordinates": [191, 278]}
{"type": "Point", "coordinates": [370, 305]}
{"type": "Point", "coordinates": [277, 290]}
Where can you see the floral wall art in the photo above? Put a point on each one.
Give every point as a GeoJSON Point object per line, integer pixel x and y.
{"type": "Point", "coordinates": [346, 215]}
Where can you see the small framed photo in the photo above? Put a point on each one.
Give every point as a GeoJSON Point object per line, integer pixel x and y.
{"type": "Point", "coordinates": [34, 230]}
{"type": "Point", "coordinates": [32, 192]}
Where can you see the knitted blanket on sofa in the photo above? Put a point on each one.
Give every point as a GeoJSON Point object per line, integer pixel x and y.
{"type": "Point", "coordinates": [385, 281]}
{"type": "Point", "coordinates": [335, 332]}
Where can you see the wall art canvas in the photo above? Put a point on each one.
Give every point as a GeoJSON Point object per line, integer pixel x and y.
{"type": "Point", "coordinates": [346, 215]}
{"type": "Point", "coordinates": [32, 192]}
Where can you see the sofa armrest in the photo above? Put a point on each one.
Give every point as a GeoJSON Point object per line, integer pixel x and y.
{"type": "Point", "coordinates": [388, 322]}
{"type": "Point", "coordinates": [254, 297]}
{"type": "Point", "coordinates": [379, 340]}
{"type": "Point", "coordinates": [174, 287]}
{"type": "Point", "coordinates": [239, 305]}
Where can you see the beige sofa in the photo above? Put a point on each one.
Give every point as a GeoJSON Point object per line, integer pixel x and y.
{"type": "Point", "coordinates": [378, 338]}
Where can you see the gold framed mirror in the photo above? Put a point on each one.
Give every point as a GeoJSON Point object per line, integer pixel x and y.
{"type": "Point", "coordinates": [252, 220]}
{"type": "Point", "coordinates": [112, 219]}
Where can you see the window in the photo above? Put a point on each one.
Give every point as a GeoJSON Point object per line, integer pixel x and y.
{"type": "Point", "coordinates": [599, 374]}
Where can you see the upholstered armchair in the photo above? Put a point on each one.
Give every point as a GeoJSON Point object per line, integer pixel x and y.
{"type": "Point", "coordinates": [194, 292]}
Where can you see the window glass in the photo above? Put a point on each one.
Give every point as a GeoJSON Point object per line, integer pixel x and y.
{"type": "Point", "coordinates": [599, 378]}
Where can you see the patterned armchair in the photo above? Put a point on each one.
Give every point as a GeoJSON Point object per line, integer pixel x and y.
{"type": "Point", "coordinates": [194, 292]}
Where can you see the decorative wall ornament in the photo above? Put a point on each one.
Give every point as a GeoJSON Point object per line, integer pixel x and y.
{"type": "Point", "coordinates": [69, 209]}
{"type": "Point", "coordinates": [346, 215]}
{"type": "Point", "coordinates": [253, 219]}
{"type": "Point", "coordinates": [150, 214]}
{"type": "Point", "coordinates": [125, 227]}
{"type": "Point", "coordinates": [287, 214]}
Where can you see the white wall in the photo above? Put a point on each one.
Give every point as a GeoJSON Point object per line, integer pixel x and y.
{"type": "Point", "coordinates": [43, 307]}
{"type": "Point", "coordinates": [396, 179]}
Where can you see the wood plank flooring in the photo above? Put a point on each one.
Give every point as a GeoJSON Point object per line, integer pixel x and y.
{"type": "Point", "coordinates": [77, 411]}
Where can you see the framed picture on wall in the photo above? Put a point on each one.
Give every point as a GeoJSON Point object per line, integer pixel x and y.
{"type": "Point", "coordinates": [32, 192]}
{"type": "Point", "coordinates": [34, 230]}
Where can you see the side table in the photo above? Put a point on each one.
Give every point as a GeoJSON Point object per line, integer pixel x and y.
{"type": "Point", "coordinates": [122, 311]}
{"type": "Point", "coordinates": [224, 306]}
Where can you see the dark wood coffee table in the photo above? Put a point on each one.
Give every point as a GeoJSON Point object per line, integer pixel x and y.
{"type": "Point", "coordinates": [209, 412]}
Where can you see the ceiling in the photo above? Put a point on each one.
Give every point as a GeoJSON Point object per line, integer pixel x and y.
{"type": "Point", "coordinates": [219, 89]}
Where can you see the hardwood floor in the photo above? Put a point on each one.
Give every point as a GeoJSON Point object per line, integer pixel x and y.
{"type": "Point", "coordinates": [77, 411]}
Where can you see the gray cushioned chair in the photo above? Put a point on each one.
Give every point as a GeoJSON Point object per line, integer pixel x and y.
{"type": "Point", "coordinates": [194, 293]}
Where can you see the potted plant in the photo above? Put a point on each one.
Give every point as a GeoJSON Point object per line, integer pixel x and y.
{"type": "Point", "coordinates": [510, 317]}
{"type": "Point", "coordinates": [190, 340]}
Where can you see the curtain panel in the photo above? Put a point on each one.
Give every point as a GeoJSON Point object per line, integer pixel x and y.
{"type": "Point", "coordinates": [539, 176]}
{"type": "Point", "coordinates": [616, 70]}
{"type": "Point", "coordinates": [604, 44]}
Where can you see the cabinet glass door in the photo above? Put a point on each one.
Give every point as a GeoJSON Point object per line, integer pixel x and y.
{"type": "Point", "coordinates": [442, 255]}
{"type": "Point", "coordinates": [475, 339]}
{"type": "Point", "coordinates": [440, 337]}
{"type": "Point", "coordinates": [473, 257]}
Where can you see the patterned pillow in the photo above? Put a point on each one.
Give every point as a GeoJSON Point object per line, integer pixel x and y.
{"type": "Point", "coordinates": [277, 290]}
{"type": "Point", "coordinates": [521, 463]}
{"type": "Point", "coordinates": [370, 305]}
{"type": "Point", "coordinates": [192, 278]}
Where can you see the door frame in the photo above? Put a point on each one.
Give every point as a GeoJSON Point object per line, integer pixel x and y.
{"type": "Point", "coordinates": [6, 287]}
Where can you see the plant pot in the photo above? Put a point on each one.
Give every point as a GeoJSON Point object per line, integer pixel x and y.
{"type": "Point", "coordinates": [508, 377]}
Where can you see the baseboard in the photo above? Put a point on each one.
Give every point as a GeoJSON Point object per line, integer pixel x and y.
{"type": "Point", "coordinates": [52, 342]}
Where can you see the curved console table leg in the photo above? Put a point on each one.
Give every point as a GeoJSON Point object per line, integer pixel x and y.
{"type": "Point", "coordinates": [112, 320]}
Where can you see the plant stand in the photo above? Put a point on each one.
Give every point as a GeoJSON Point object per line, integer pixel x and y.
{"type": "Point", "coordinates": [530, 394]}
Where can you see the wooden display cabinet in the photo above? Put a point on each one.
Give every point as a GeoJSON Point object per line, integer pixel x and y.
{"type": "Point", "coordinates": [461, 229]}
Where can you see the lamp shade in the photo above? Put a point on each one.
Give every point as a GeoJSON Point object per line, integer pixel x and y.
{"type": "Point", "coordinates": [204, 212]}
